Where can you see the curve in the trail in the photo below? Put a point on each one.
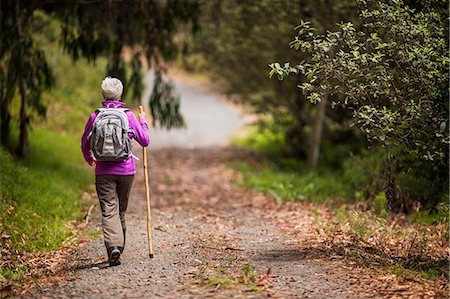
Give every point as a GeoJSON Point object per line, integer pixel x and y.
{"type": "Point", "coordinates": [209, 121]}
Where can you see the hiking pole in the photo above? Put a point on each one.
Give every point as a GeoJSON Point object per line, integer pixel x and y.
{"type": "Point", "coordinates": [147, 196]}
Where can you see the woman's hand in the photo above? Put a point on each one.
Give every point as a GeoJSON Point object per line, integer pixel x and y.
{"type": "Point", "coordinates": [92, 162]}
{"type": "Point", "coordinates": [142, 115]}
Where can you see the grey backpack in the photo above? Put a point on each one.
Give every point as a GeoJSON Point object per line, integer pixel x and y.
{"type": "Point", "coordinates": [109, 136]}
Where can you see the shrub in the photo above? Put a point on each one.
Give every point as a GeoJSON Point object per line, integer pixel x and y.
{"type": "Point", "coordinates": [364, 174]}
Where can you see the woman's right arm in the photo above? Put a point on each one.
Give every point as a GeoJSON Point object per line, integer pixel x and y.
{"type": "Point", "coordinates": [141, 131]}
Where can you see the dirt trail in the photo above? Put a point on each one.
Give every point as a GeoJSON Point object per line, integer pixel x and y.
{"type": "Point", "coordinates": [209, 233]}
{"type": "Point", "coordinates": [205, 226]}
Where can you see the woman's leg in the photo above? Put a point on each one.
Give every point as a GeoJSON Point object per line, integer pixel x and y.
{"type": "Point", "coordinates": [106, 186]}
{"type": "Point", "coordinates": [123, 190]}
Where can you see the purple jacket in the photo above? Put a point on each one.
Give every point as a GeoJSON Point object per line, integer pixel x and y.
{"type": "Point", "coordinates": [125, 167]}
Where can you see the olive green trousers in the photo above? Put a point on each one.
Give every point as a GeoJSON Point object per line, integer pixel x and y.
{"type": "Point", "coordinates": [113, 192]}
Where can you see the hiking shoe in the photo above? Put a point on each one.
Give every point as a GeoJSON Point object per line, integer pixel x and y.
{"type": "Point", "coordinates": [114, 259]}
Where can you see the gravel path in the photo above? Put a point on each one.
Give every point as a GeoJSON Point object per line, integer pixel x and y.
{"type": "Point", "coordinates": [204, 227]}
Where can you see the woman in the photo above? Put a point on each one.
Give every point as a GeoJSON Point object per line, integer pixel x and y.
{"type": "Point", "coordinates": [113, 179]}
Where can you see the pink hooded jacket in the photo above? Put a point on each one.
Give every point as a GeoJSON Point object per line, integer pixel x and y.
{"type": "Point", "coordinates": [125, 167]}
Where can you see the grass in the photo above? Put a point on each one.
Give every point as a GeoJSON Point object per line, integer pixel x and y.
{"type": "Point", "coordinates": [220, 278]}
{"type": "Point", "coordinates": [286, 179]}
{"type": "Point", "coordinates": [42, 192]}
{"type": "Point", "coordinates": [426, 272]}
{"type": "Point", "coordinates": [400, 246]}
{"type": "Point", "coordinates": [217, 282]}
{"type": "Point", "coordinates": [38, 198]}
{"type": "Point", "coordinates": [440, 216]}
{"type": "Point", "coordinates": [262, 139]}
{"type": "Point", "coordinates": [15, 273]}
{"type": "Point", "coordinates": [292, 184]}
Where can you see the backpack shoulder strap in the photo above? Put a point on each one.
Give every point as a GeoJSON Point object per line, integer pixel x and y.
{"type": "Point", "coordinates": [103, 109]}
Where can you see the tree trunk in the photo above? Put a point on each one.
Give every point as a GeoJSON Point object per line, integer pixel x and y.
{"type": "Point", "coordinates": [316, 137]}
{"type": "Point", "coordinates": [23, 148]}
{"type": "Point", "coordinates": [5, 118]}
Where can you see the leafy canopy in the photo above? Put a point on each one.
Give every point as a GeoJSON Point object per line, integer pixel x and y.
{"type": "Point", "coordinates": [392, 74]}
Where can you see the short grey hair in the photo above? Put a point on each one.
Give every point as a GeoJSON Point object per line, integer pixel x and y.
{"type": "Point", "coordinates": [112, 88]}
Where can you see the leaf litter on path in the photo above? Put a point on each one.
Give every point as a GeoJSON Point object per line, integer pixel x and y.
{"type": "Point", "coordinates": [213, 238]}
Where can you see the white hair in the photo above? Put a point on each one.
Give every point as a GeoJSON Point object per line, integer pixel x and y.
{"type": "Point", "coordinates": [112, 88]}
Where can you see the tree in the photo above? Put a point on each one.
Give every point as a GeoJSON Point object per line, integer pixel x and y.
{"type": "Point", "coordinates": [238, 38]}
{"type": "Point", "coordinates": [22, 66]}
{"type": "Point", "coordinates": [392, 75]}
{"type": "Point", "coordinates": [90, 29]}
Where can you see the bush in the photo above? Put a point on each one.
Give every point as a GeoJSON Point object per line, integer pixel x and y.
{"type": "Point", "coordinates": [364, 174]}
{"type": "Point", "coordinates": [392, 74]}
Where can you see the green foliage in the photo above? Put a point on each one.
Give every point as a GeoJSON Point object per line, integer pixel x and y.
{"type": "Point", "coordinates": [441, 215]}
{"type": "Point", "coordinates": [380, 205]}
{"type": "Point", "coordinates": [75, 95]}
{"type": "Point", "coordinates": [263, 139]}
{"type": "Point", "coordinates": [163, 105]}
{"type": "Point", "coordinates": [14, 273]}
{"type": "Point", "coordinates": [424, 271]}
{"type": "Point", "coordinates": [363, 173]}
{"type": "Point", "coordinates": [249, 274]}
{"type": "Point", "coordinates": [392, 74]}
{"type": "Point", "coordinates": [238, 38]}
{"type": "Point", "coordinates": [248, 277]}
{"type": "Point", "coordinates": [424, 184]}
{"type": "Point", "coordinates": [218, 281]}
{"type": "Point", "coordinates": [359, 228]}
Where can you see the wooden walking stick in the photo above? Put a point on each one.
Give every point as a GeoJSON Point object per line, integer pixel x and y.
{"type": "Point", "coordinates": [147, 196]}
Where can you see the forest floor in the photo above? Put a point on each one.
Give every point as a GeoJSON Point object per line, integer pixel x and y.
{"type": "Point", "coordinates": [214, 238]}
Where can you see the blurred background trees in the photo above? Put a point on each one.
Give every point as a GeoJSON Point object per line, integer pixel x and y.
{"type": "Point", "coordinates": [239, 38]}
{"type": "Point", "coordinates": [373, 68]}
{"type": "Point", "coordinates": [89, 29]}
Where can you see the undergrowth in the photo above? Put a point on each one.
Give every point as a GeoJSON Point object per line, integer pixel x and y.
{"type": "Point", "coordinates": [287, 181]}
{"type": "Point", "coordinates": [40, 195]}
{"type": "Point", "coordinates": [361, 228]}
{"type": "Point", "coordinates": [402, 247]}
{"type": "Point", "coordinates": [38, 198]}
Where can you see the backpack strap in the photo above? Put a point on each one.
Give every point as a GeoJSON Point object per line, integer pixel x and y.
{"type": "Point", "coordinates": [103, 109]}
{"type": "Point", "coordinates": [98, 110]}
